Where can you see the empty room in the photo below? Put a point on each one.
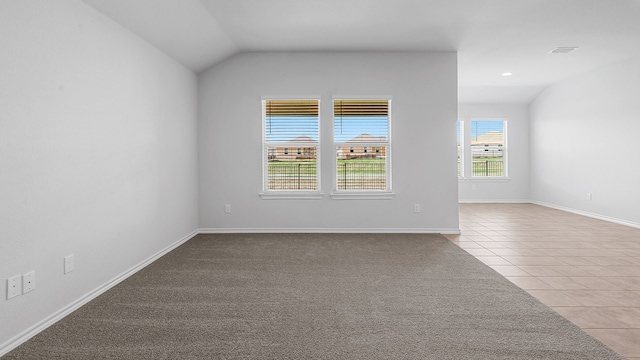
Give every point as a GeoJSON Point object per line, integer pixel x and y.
{"type": "Point", "coordinates": [286, 179]}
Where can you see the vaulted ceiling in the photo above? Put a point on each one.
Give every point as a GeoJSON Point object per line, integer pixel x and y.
{"type": "Point", "coordinates": [491, 36]}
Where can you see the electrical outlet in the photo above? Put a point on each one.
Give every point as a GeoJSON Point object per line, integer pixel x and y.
{"type": "Point", "coordinates": [227, 208]}
{"type": "Point", "coordinates": [14, 287]}
{"type": "Point", "coordinates": [588, 196]}
{"type": "Point", "coordinates": [416, 208]}
{"type": "Point", "coordinates": [68, 264]}
{"type": "Point", "coordinates": [28, 282]}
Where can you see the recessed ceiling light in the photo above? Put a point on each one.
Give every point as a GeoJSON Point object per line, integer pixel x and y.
{"type": "Point", "coordinates": [563, 49]}
{"type": "Point", "coordinates": [507, 74]}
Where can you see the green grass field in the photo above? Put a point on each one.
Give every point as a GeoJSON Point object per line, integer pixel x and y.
{"type": "Point", "coordinates": [309, 167]}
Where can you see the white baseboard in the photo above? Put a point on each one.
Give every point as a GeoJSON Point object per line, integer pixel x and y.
{"type": "Point", "coordinates": [588, 214]}
{"type": "Point", "coordinates": [493, 201]}
{"type": "Point", "coordinates": [331, 230]}
{"type": "Point", "coordinates": [55, 317]}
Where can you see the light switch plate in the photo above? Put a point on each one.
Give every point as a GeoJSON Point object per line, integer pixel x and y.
{"type": "Point", "coordinates": [68, 264]}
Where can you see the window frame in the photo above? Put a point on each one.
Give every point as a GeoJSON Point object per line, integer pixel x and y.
{"type": "Point", "coordinates": [461, 148]}
{"type": "Point", "coordinates": [268, 194]}
{"type": "Point", "coordinates": [505, 150]}
{"type": "Point", "coordinates": [363, 194]}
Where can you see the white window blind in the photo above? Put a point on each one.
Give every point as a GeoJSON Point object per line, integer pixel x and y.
{"type": "Point", "coordinates": [291, 143]}
{"type": "Point", "coordinates": [488, 148]}
{"type": "Point", "coordinates": [362, 143]}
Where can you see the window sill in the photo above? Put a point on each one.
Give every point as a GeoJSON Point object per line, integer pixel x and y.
{"type": "Point", "coordinates": [291, 196]}
{"type": "Point", "coordinates": [386, 195]}
{"type": "Point", "coordinates": [490, 179]}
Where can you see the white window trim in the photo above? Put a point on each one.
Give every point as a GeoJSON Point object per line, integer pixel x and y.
{"type": "Point", "coordinates": [505, 150]}
{"type": "Point", "coordinates": [266, 194]}
{"type": "Point", "coordinates": [490, 179]}
{"type": "Point", "coordinates": [386, 194]}
{"type": "Point", "coordinates": [287, 195]}
{"type": "Point", "coordinates": [462, 148]}
{"type": "Point", "coordinates": [362, 195]}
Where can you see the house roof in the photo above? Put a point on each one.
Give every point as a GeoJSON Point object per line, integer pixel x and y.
{"type": "Point", "coordinates": [366, 138]}
{"type": "Point", "coordinates": [491, 138]}
{"type": "Point", "coordinates": [301, 139]}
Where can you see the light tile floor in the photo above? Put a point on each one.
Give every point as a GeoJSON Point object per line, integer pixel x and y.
{"type": "Point", "coordinates": [585, 269]}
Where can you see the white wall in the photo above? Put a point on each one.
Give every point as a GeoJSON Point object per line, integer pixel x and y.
{"type": "Point", "coordinates": [423, 86]}
{"type": "Point", "coordinates": [516, 187]}
{"type": "Point", "coordinates": [585, 133]}
{"type": "Point", "coordinates": [97, 154]}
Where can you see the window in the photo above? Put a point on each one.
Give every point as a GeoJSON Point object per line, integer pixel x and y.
{"type": "Point", "coordinates": [290, 123]}
{"type": "Point", "coordinates": [460, 148]}
{"type": "Point", "coordinates": [488, 148]}
{"type": "Point", "coordinates": [360, 124]}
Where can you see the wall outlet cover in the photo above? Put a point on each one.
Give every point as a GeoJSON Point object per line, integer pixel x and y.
{"type": "Point", "coordinates": [28, 282]}
{"type": "Point", "coordinates": [14, 286]}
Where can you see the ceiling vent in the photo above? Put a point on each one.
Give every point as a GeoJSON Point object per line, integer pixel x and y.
{"type": "Point", "coordinates": [563, 50]}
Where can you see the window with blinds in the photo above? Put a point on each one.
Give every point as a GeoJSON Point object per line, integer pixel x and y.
{"type": "Point", "coordinates": [460, 148]}
{"type": "Point", "coordinates": [363, 145]}
{"type": "Point", "coordinates": [290, 144]}
{"type": "Point", "coordinates": [488, 148]}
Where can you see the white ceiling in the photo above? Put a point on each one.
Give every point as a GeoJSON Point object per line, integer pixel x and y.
{"type": "Point", "coordinates": [490, 36]}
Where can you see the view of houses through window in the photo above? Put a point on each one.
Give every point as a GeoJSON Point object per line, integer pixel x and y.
{"type": "Point", "coordinates": [291, 143]}
{"type": "Point", "coordinates": [488, 148]}
{"type": "Point", "coordinates": [361, 139]}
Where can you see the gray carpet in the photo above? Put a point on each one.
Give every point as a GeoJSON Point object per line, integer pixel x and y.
{"type": "Point", "coordinates": [315, 296]}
